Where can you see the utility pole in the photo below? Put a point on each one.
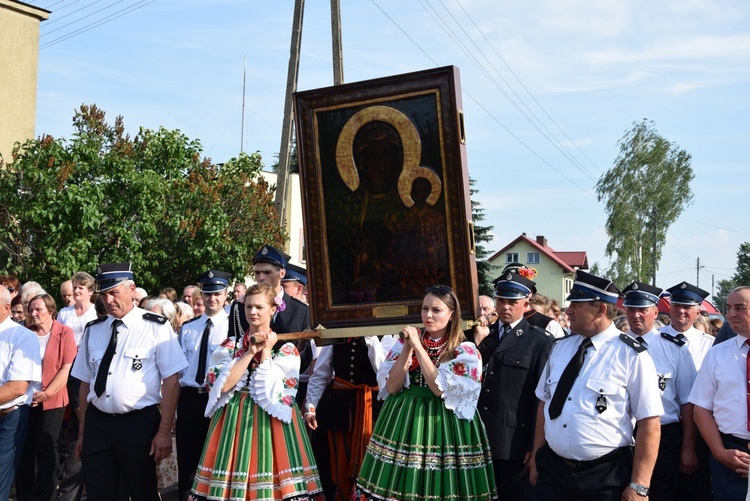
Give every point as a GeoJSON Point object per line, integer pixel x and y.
{"type": "Point", "coordinates": [242, 132]}
{"type": "Point", "coordinates": [698, 272]}
{"type": "Point", "coordinates": [338, 52]}
{"type": "Point", "coordinates": [653, 251]}
{"type": "Point", "coordinates": [282, 179]}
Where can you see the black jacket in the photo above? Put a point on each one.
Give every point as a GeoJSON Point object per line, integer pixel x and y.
{"type": "Point", "coordinates": [512, 368]}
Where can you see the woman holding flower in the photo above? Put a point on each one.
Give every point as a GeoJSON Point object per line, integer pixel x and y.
{"type": "Point", "coordinates": [429, 442]}
{"type": "Point", "coordinates": [257, 447]}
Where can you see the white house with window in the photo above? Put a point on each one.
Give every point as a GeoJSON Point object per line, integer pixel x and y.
{"type": "Point", "coordinates": [555, 269]}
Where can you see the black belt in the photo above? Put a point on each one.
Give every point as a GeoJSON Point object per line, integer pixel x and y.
{"type": "Point", "coordinates": [123, 414]}
{"type": "Point", "coordinates": [574, 464]}
{"type": "Point", "coordinates": [738, 442]}
{"type": "Point", "coordinates": [189, 389]}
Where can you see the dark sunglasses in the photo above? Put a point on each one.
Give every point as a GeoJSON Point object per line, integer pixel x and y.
{"type": "Point", "coordinates": [10, 289]}
{"type": "Point", "coordinates": [440, 289]}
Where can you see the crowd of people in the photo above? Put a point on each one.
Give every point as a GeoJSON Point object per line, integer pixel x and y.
{"type": "Point", "coordinates": [593, 401]}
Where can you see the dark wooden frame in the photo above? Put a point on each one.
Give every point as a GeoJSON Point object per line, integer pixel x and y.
{"type": "Point", "coordinates": [370, 254]}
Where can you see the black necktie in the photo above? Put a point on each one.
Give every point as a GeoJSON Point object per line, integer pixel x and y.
{"type": "Point", "coordinates": [200, 374]}
{"type": "Point", "coordinates": [640, 340]}
{"type": "Point", "coordinates": [101, 377]}
{"type": "Point", "coordinates": [567, 379]}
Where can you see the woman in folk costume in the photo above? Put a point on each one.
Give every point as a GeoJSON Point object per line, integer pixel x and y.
{"type": "Point", "coordinates": [257, 446]}
{"type": "Point", "coordinates": [429, 442]}
{"type": "Point", "coordinates": [341, 407]}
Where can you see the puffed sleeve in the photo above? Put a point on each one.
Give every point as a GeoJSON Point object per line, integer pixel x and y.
{"type": "Point", "coordinates": [221, 362]}
{"type": "Point", "coordinates": [460, 380]}
{"type": "Point", "coordinates": [374, 352]}
{"type": "Point", "coordinates": [274, 383]}
{"type": "Point", "coordinates": [387, 365]}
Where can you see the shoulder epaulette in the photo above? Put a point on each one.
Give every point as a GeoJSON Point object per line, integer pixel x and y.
{"type": "Point", "coordinates": [159, 319]}
{"type": "Point", "coordinates": [632, 343]}
{"type": "Point", "coordinates": [543, 332]}
{"type": "Point", "coordinates": [672, 339]}
{"type": "Point", "coordinates": [96, 321]}
{"type": "Point", "coordinates": [191, 320]}
{"type": "Point", "coordinates": [298, 300]}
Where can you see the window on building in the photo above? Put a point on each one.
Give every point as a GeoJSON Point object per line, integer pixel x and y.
{"type": "Point", "coordinates": [532, 257]}
{"type": "Point", "coordinates": [511, 257]}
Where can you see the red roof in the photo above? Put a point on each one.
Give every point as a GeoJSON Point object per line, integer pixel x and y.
{"type": "Point", "coordinates": [565, 260]}
{"type": "Point", "coordinates": [576, 259]}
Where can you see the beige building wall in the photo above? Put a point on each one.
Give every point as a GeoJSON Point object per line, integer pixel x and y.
{"type": "Point", "coordinates": [296, 244]}
{"type": "Point", "coordinates": [19, 58]}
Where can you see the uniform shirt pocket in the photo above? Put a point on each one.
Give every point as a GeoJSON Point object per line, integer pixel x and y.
{"type": "Point", "coordinates": [602, 395]}
{"type": "Point", "coordinates": [137, 360]}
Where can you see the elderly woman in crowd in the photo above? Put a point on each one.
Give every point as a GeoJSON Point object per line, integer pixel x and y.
{"type": "Point", "coordinates": [37, 473]}
{"type": "Point", "coordinates": [164, 307]}
{"type": "Point", "coordinates": [82, 311]}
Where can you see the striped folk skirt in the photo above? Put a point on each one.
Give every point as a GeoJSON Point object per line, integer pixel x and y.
{"type": "Point", "coordinates": [250, 455]}
{"type": "Point", "coordinates": [420, 450]}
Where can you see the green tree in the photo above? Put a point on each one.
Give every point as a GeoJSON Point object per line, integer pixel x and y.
{"type": "Point", "coordinates": [644, 193]}
{"type": "Point", "coordinates": [742, 272]}
{"type": "Point", "coordinates": [741, 277]}
{"type": "Point", "coordinates": [720, 298]}
{"type": "Point", "coordinates": [482, 234]}
{"type": "Point", "coordinates": [153, 200]}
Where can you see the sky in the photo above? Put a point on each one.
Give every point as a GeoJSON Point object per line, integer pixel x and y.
{"type": "Point", "coordinates": [549, 87]}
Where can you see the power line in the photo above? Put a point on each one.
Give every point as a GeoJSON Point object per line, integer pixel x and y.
{"type": "Point", "coordinates": [479, 104]}
{"type": "Point", "coordinates": [56, 18]}
{"type": "Point", "coordinates": [522, 85]}
{"type": "Point", "coordinates": [80, 18]}
{"type": "Point", "coordinates": [546, 133]}
{"type": "Point", "coordinates": [95, 24]}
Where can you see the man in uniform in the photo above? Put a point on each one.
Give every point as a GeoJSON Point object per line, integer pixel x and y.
{"type": "Point", "coordinates": [269, 267]}
{"type": "Point", "coordinates": [721, 409]}
{"type": "Point", "coordinates": [128, 362]}
{"type": "Point", "coordinates": [685, 303]}
{"type": "Point", "coordinates": [201, 336]}
{"type": "Point", "coordinates": [514, 354]}
{"type": "Point", "coordinates": [294, 281]}
{"type": "Point", "coordinates": [20, 374]}
{"type": "Point", "coordinates": [597, 382]}
{"type": "Point", "coordinates": [676, 372]}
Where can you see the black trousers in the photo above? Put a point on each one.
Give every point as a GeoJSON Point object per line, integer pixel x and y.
{"type": "Point", "coordinates": [512, 480]}
{"type": "Point", "coordinates": [603, 479]}
{"type": "Point", "coordinates": [36, 477]}
{"type": "Point", "coordinates": [116, 447]}
{"type": "Point", "coordinates": [71, 484]}
{"type": "Point", "coordinates": [666, 476]}
{"type": "Point", "coordinates": [191, 431]}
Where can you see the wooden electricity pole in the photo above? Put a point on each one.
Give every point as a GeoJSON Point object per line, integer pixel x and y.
{"type": "Point", "coordinates": [282, 179]}
{"type": "Point", "coordinates": [338, 53]}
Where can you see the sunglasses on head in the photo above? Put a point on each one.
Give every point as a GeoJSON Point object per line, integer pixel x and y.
{"type": "Point", "coordinates": [440, 289]}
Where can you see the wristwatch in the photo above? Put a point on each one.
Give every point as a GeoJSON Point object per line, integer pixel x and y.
{"type": "Point", "coordinates": [639, 489]}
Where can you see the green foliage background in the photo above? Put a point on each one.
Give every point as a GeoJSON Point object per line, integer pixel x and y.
{"type": "Point", "coordinates": [102, 196]}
